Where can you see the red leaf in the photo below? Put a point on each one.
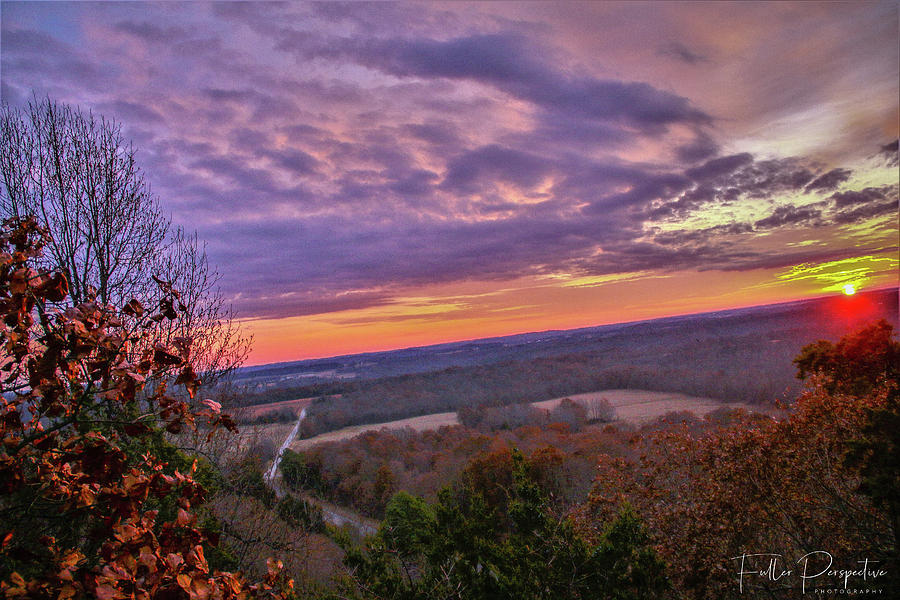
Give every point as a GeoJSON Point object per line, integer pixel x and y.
{"type": "Point", "coordinates": [133, 308]}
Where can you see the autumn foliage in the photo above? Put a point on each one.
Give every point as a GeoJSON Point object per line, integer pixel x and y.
{"type": "Point", "coordinates": [825, 478]}
{"type": "Point", "coordinates": [86, 508]}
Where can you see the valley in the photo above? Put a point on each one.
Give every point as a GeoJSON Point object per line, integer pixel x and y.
{"type": "Point", "coordinates": [635, 407]}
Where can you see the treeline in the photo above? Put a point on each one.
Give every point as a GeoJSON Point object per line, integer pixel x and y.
{"type": "Point", "coordinates": [365, 471]}
{"type": "Point", "coordinates": [740, 356]}
{"type": "Point", "coordinates": [573, 415]}
{"type": "Point", "coordinates": [752, 369]}
{"type": "Point", "coordinates": [676, 510]}
{"type": "Point", "coordinates": [280, 394]}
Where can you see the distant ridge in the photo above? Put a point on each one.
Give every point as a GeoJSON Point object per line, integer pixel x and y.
{"type": "Point", "coordinates": [417, 359]}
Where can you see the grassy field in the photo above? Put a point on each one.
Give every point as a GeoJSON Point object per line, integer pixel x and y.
{"type": "Point", "coordinates": [641, 406]}
{"type": "Point", "coordinates": [635, 406]}
{"type": "Point", "coordinates": [249, 413]}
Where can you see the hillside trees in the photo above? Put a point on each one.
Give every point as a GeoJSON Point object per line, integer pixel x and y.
{"type": "Point", "coordinates": [80, 178]}
{"type": "Point", "coordinates": [87, 506]}
{"type": "Point", "coordinates": [508, 546]}
{"type": "Point", "coordinates": [823, 479]}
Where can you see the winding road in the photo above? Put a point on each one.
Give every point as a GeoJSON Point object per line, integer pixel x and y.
{"type": "Point", "coordinates": [334, 515]}
{"type": "Point", "coordinates": [271, 473]}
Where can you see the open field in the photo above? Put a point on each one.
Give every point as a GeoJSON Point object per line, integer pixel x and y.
{"type": "Point", "coordinates": [634, 406]}
{"type": "Point", "coordinates": [641, 406]}
{"type": "Point", "coordinates": [250, 413]}
{"type": "Point", "coordinates": [422, 423]}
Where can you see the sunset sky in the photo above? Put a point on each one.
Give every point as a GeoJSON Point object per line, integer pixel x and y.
{"type": "Point", "coordinates": [377, 176]}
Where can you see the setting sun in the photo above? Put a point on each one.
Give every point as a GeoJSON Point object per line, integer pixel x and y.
{"type": "Point", "coordinates": [849, 289]}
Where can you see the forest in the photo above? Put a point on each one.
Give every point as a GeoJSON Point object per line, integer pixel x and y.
{"type": "Point", "coordinates": [121, 477]}
{"type": "Point", "coordinates": [735, 356]}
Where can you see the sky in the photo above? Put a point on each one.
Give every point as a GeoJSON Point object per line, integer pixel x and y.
{"type": "Point", "coordinates": [371, 176]}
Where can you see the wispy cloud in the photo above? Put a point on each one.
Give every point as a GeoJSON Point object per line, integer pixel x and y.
{"type": "Point", "coordinates": [336, 156]}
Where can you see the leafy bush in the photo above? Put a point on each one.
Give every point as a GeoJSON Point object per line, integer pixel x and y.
{"type": "Point", "coordinates": [88, 508]}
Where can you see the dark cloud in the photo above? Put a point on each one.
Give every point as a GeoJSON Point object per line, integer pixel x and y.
{"type": "Point", "coordinates": [643, 256]}
{"type": "Point", "coordinates": [28, 51]}
{"type": "Point", "coordinates": [890, 152]}
{"type": "Point", "coordinates": [718, 167]}
{"type": "Point", "coordinates": [829, 181]}
{"type": "Point", "coordinates": [728, 179]}
{"type": "Point", "coordinates": [152, 33]}
{"type": "Point", "coordinates": [868, 211]}
{"type": "Point", "coordinates": [762, 179]}
{"type": "Point", "coordinates": [12, 95]}
{"type": "Point", "coordinates": [571, 131]}
{"type": "Point", "coordinates": [642, 193]}
{"type": "Point", "coordinates": [131, 112]}
{"type": "Point", "coordinates": [690, 200]}
{"type": "Point", "coordinates": [497, 58]}
{"type": "Point", "coordinates": [855, 206]}
{"type": "Point", "coordinates": [296, 161]}
{"type": "Point", "coordinates": [790, 215]}
{"type": "Point", "coordinates": [323, 256]}
{"type": "Point", "coordinates": [516, 66]}
{"type": "Point", "coordinates": [225, 95]}
{"type": "Point", "coordinates": [264, 306]}
{"type": "Point", "coordinates": [29, 41]}
{"type": "Point", "coordinates": [439, 134]}
{"type": "Point", "coordinates": [417, 182]}
{"type": "Point", "coordinates": [704, 236]}
{"type": "Point", "coordinates": [494, 163]}
{"type": "Point", "coordinates": [854, 197]}
{"type": "Point", "coordinates": [701, 148]}
{"type": "Point", "coordinates": [679, 51]}
{"type": "Point", "coordinates": [226, 172]}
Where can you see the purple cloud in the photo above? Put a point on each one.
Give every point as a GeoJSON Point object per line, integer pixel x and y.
{"type": "Point", "coordinates": [790, 215]}
{"type": "Point", "coordinates": [829, 181]}
{"type": "Point", "coordinates": [855, 197]}
{"type": "Point", "coordinates": [494, 163]}
{"type": "Point", "coordinates": [681, 52]}
{"type": "Point", "coordinates": [334, 155]}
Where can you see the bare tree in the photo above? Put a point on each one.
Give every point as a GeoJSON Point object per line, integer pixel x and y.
{"type": "Point", "coordinates": [599, 410]}
{"type": "Point", "coordinates": [79, 176]}
{"type": "Point", "coordinates": [219, 345]}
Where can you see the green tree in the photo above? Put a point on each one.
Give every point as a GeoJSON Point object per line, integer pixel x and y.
{"type": "Point", "coordinates": [464, 549]}
{"type": "Point", "coordinates": [299, 472]}
{"type": "Point", "coordinates": [300, 513]}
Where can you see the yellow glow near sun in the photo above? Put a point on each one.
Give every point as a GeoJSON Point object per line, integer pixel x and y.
{"type": "Point", "coordinates": [844, 274]}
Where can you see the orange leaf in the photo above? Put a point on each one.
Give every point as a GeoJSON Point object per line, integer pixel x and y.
{"type": "Point", "coordinates": [173, 560]}
{"type": "Point", "coordinates": [87, 496]}
{"type": "Point", "coordinates": [196, 558]}
{"type": "Point", "coordinates": [199, 588]}
{"type": "Point", "coordinates": [184, 517]}
{"type": "Point", "coordinates": [71, 558]}
{"type": "Point", "coordinates": [133, 308]}
{"type": "Point", "coordinates": [106, 592]}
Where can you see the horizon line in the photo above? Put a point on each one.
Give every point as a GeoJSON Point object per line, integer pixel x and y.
{"type": "Point", "coordinates": [497, 337]}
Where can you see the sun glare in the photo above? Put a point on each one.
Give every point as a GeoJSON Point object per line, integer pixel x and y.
{"type": "Point", "coordinates": [849, 289]}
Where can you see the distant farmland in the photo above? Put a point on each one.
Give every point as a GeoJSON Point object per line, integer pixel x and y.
{"type": "Point", "coordinates": [634, 406]}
